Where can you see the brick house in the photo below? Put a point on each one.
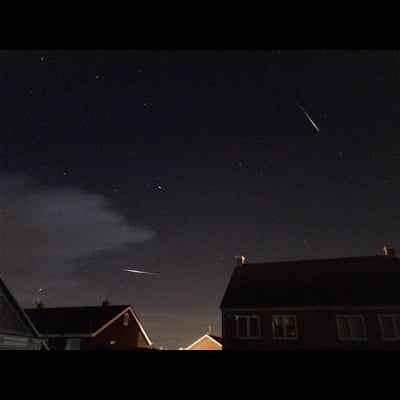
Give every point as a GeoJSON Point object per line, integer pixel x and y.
{"type": "Point", "coordinates": [87, 328]}
{"type": "Point", "coordinates": [331, 304]}
{"type": "Point", "coordinates": [16, 330]}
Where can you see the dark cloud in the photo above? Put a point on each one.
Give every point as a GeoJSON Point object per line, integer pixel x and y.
{"type": "Point", "coordinates": [46, 232]}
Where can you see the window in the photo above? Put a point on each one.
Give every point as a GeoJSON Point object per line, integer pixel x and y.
{"type": "Point", "coordinates": [351, 327]}
{"type": "Point", "coordinates": [14, 342]}
{"type": "Point", "coordinates": [247, 327]}
{"type": "Point", "coordinates": [126, 319]}
{"type": "Point", "coordinates": [73, 344]}
{"type": "Point", "coordinates": [284, 327]}
{"type": "Point", "coordinates": [390, 326]}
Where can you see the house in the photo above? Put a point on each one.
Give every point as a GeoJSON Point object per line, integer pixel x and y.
{"type": "Point", "coordinates": [87, 328]}
{"type": "Point", "coordinates": [16, 330]}
{"type": "Point", "coordinates": [329, 304]}
{"type": "Point", "coordinates": [206, 342]}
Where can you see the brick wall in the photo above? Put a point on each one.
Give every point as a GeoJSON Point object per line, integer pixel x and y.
{"type": "Point", "coordinates": [316, 330]}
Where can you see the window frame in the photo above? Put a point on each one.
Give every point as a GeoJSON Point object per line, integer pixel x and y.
{"type": "Point", "coordinates": [349, 317]}
{"type": "Point", "coordinates": [248, 327]}
{"type": "Point", "coordinates": [126, 319]}
{"type": "Point", "coordinates": [284, 337]}
{"type": "Point", "coordinates": [396, 331]}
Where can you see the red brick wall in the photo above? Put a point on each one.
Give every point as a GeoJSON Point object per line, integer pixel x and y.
{"type": "Point", "coordinates": [123, 335]}
{"type": "Point", "coordinates": [316, 329]}
{"type": "Point", "coordinates": [206, 344]}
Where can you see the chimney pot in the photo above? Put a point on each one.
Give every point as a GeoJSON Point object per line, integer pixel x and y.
{"type": "Point", "coordinates": [240, 260]}
{"type": "Point", "coordinates": [389, 251]}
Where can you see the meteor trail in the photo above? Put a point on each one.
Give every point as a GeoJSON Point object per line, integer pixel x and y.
{"type": "Point", "coordinates": [309, 118]}
{"type": "Point", "coordinates": [135, 271]}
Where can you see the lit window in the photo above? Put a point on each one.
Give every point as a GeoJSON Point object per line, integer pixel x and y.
{"type": "Point", "coordinates": [126, 319]}
{"type": "Point", "coordinates": [390, 326]}
{"type": "Point", "coordinates": [351, 327]}
{"type": "Point", "coordinates": [247, 326]}
{"type": "Point", "coordinates": [284, 327]}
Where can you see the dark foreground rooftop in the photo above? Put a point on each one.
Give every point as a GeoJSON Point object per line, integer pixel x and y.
{"type": "Point", "coordinates": [73, 320]}
{"type": "Point", "coordinates": [354, 281]}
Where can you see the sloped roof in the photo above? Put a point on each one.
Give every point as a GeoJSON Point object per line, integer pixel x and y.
{"type": "Point", "coordinates": [16, 321]}
{"type": "Point", "coordinates": [207, 336]}
{"type": "Point", "coordinates": [216, 338]}
{"type": "Point", "coordinates": [353, 281]}
{"type": "Point", "coordinates": [74, 320]}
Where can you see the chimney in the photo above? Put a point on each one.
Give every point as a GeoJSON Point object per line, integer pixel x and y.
{"type": "Point", "coordinates": [239, 260]}
{"type": "Point", "coordinates": [389, 251]}
{"type": "Point", "coordinates": [105, 303]}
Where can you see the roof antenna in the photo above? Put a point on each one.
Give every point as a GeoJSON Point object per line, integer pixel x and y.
{"type": "Point", "coordinates": [39, 304]}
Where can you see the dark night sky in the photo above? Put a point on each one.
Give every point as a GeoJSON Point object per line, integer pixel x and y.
{"type": "Point", "coordinates": [174, 162]}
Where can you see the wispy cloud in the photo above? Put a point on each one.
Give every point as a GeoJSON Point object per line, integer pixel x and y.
{"type": "Point", "coordinates": [45, 231]}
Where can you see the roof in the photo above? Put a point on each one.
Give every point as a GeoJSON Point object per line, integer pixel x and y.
{"type": "Point", "coordinates": [353, 281]}
{"type": "Point", "coordinates": [78, 320]}
{"type": "Point", "coordinates": [215, 339]}
{"type": "Point", "coordinates": [21, 324]}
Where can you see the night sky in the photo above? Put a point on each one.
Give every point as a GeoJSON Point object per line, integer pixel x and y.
{"type": "Point", "coordinates": [174, 162]}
